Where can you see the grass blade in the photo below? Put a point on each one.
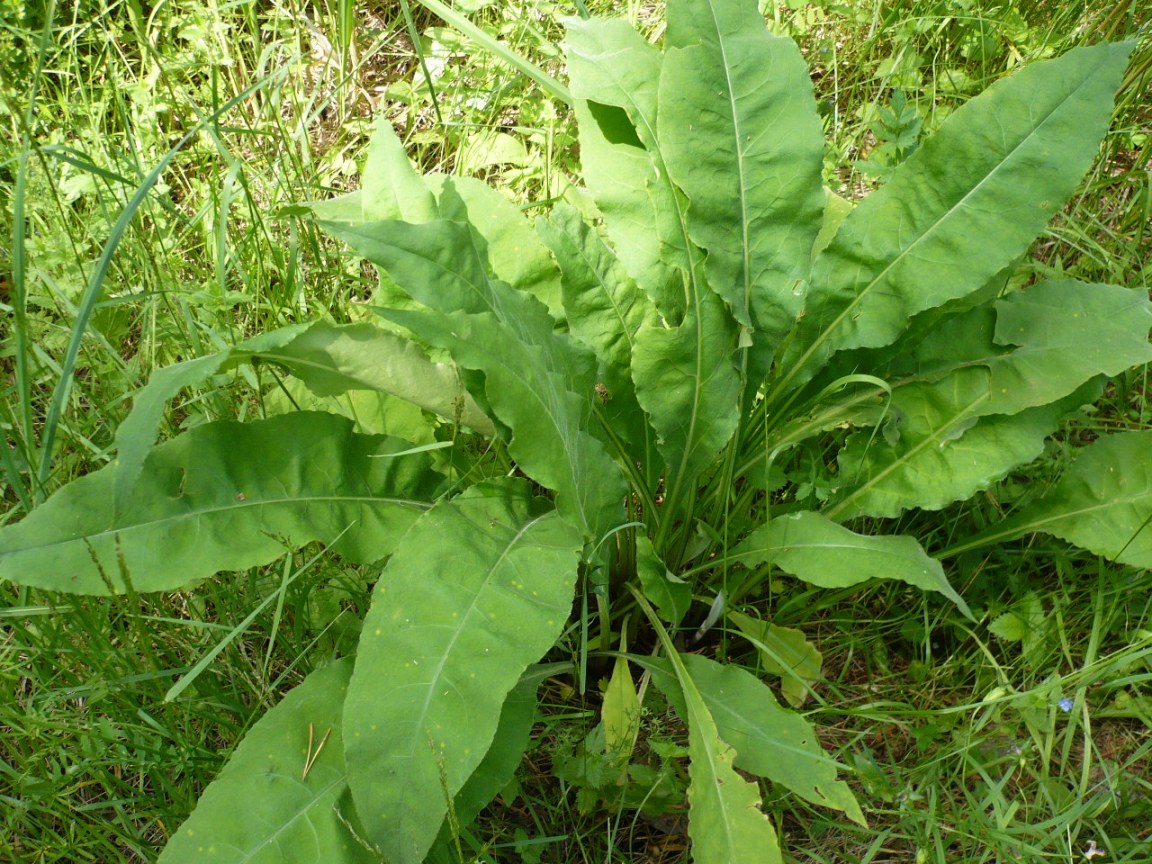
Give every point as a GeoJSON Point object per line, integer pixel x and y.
{"type": "Point", "coordinates": [95, 287]}
{"type": "Point", "coordinates": [549, 84]}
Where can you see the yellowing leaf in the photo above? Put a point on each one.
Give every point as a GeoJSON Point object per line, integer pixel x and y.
{"type": "Point", "coordinates": [784, 652]}
{"type": "Point", "coordinates": [620, 713]}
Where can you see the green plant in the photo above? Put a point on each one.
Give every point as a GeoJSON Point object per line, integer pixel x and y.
{"type": "Point", "coordinates": [664, 416]}
{"type": "Point", "coordinates": [897, 132]}
{"type": "Point", "coordinates": [491, 121]}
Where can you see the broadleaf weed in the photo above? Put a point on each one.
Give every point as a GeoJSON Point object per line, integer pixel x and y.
{"type": "Point", "coordinates": [650, 418]}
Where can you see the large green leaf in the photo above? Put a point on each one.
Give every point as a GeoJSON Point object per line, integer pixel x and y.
{"type": "Point", "coordinates": [136, 435]}
{"type": "Point", "coordinates": [332, 359]}
{"type": "Point", "coordinates": [960, 208]}
{"type": "Point", "coordinates": [684, 366]}
{"type": "Point", "coordinates": [784, 651]}
{"type": "Point", "coordinates": [390, 188]}
{"type": "Point", "coordinates": [739, 132]}
{"type": "Point", "coordinates": [770, 741]}
{"type": "Point", "coordinates": [538, 382]}
{"type": "Point", "coordinates": [283, 796]}
{"type": "Point", "coordinates": [814, 548]}
{"type": "Point", "coordinates": [515, 252]}
{"type": "Point", "coordinates": [437, 262]}
{"type": "Point", "coordinates": [1103, 503]}
{"type": "Point", "coordinates": [477, 590]}
{"type": "Point", "coordinates": [605, 310]}
{"type": "Point", "coordinates": [446, 266]}
{"type": "Point", "coordinates": [1041, 343]}
{"type": "Point", "coordinates": [529, 390]}
{"type": "Point", "coordinates": [944, 449]}
{"type": "Point", "coordinates": [224, 496]}
{"type": "Point", "coordinates": [688, 384]}
{"type": "Point", "coordinates": [373, 412]}
{"type": "Point", "coordinates": [724, 817]}
{"type": "Point", "coordinates": [498, 767]}
{"type": "Point", "coordinates": [1026, 355]}
{"type": "Point", "coordinates": [510, 742]}
{"type": "Point", "coordinates": [329, 358]}
{"type": "Point", "coordinates": [615, 77]}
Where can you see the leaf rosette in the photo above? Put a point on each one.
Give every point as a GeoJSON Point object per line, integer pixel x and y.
{"type": "Point", "coordinates": [706, 375]}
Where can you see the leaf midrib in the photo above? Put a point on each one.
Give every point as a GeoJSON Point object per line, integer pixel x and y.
{"type": "Point", "coordinates": [419, 723]}
{"type": "Point", "coordinates": [209, 511]}
{"type": "Point", "coordinates": [301, 813]}
{"type": "Point", "coordinates": [964, 414]}
{"type": "Point", "coordinates": [826, 334]}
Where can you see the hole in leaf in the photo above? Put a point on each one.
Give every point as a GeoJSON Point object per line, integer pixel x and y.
{"type": "Point", "coordinates": [614, 124]}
